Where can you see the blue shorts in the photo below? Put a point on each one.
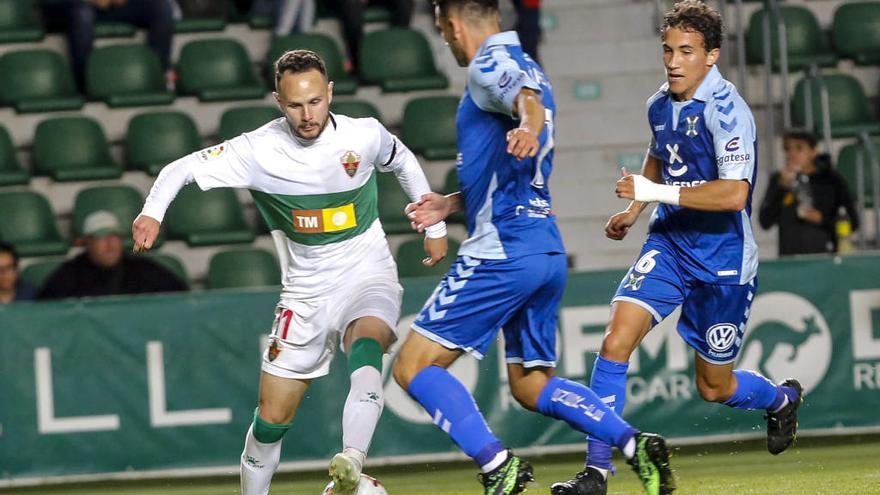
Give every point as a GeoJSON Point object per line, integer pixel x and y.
{"type": "Point", "coordinates": [477, 297]}
{"type": "Point", "coordinates": [713, 317]}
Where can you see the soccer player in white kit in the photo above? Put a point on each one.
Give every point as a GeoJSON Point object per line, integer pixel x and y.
{"type": "Point", "coordinates": [311, 174]}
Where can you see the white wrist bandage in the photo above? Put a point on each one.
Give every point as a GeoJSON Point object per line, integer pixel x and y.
{"type": "Point", "coordinates": [436, 231]}
{"type": "Point", "coordinates": [648, 191]}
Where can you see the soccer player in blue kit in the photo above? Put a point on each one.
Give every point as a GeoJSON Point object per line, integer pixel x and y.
{"type": "Point", "coordinates": [511, 270]}
{"type": "Point", "coordinates": [700, 252]}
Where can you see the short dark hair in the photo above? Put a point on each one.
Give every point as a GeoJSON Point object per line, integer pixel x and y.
{"type": "Point", "coordinates": [5, 247]}
{"type": "Point", "coordinates": [297, 61]}
{"type": "Point", "coordinates": [696, 16]}
{"type": "Point", "coordinates": [802, 134]}
{"type": "Point", "coordinates": [479, 7]}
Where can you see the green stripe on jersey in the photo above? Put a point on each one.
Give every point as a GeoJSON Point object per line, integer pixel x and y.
{"type": "Point", "coordinates": [278, 212]}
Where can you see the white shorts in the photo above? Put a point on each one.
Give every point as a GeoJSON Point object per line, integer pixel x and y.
{"type": "Point", "coordinates": [305, 335]}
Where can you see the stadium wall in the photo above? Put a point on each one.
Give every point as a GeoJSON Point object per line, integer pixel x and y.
{"type": "Point", "coordinates": [166, 385]}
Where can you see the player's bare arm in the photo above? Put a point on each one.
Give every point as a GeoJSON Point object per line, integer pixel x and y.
{"type": "Point", "coordinates": [523, 141]}
{"type": "Point", "coordinates": [619, 223]}
{"type": "Point", "coordinates": [436, 250]}
{"type": "Point", "coordinates": [433, 208]}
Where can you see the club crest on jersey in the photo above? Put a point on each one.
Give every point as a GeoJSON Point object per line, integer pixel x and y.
{"type": "Point", "coordinates": [350, 161]}
{"type": "Point", "coordinates": [692, 125]}
{"type": "Point", "coordinates": [274, 351]}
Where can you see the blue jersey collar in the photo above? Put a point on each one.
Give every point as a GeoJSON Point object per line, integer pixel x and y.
{"type": "Point", "coordinates": [502, 38]}
{"type": "Point", "coordinates": [707, 87]}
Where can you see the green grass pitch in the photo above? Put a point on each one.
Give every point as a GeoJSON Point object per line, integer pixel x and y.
{"type": "Point", "coordinates": [815, 466]}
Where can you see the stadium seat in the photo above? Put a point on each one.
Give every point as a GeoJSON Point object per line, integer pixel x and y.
{"type": "Point", "coordinates": [206, 218]}
{"type": "Point", "coordinates": [112, 29]}
{"type": "Point", "coordinates": [27, 223]}
{"type": "Point", "coordinates": [217, 70]}
{"type": "Point", "coordinates": [399, 59]}
{"type": "Point", "coordinates": [172, 263]}
{"type": "Point", "coordinates": [376, 13]}
{"type": "Point", "coordinates": [11, 172]}
{"type": "Point", "coordinates": [847, 162]}
{"type": "Point", "coordinates": [73, 148]}
{"type": "Point", "coordinates": [236, 121]}
{"type": "Point", "coordinates": [199, 25]}
{"type": "Point", "coordinates": [856, 32]}
{"type": "Point", "coordinates": [36, 273]}
{"type": "Point", "coordinates": [323, 45]}
{"type": "Point", "coordinates": [18, 22]}
{"type": "Point", "coordinates": [243, 268]}
{"type": "Point", "coordinates": [37, 81]}
{"type": "Point", "coordinates": [355, 108]}
{"type": "Point", "coordinates": [156, 139]}
{"type": "Point", "coordinates": [851, 112]}
{"type": "Point", "coordinates": [807, 43]}
{"type": "Point", "coordinates": [392, 201]}
{"type": "Point", "coordinates": [451, 185]}
{"type": "Point", "coordinates": [429, 126]}
{"type": "Point", "coordinates": [123, 201]}
{"type": "Point", "coordinates": [411, 253]}
{"type": "Point", "coordinates": [126, 76]}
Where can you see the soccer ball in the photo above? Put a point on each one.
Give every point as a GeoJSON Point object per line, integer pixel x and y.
{"type": "Point", "coordinates": [367, 486]}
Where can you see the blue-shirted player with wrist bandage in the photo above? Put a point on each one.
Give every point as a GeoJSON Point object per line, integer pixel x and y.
{"type": "Point", "coordinates": [700, 253]}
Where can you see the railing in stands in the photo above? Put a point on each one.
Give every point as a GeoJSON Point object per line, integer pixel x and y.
{"type": "Point", "coordinates": [867, 149]}
{"type": "Point", "coordinates": [774, 16]}
{"type": "Point", "coordinates": [813, 79]}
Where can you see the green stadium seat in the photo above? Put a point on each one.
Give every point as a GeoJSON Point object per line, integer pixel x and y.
{"type": "Point", "coordinates": [807, 43]}
{"type": "Point", "coordinates": [37, 81]}
{"type": "Point", "coordinates": [236, 121]}
{"type": "Point", "coordinates": [207, 218]}
{"type": "Point", "coordinates": [357, 109]}
{"type": "Point", "coordinates": [856, 32]}
{"type": "Point", "coordinates": [411, 253]}
{"type": "Point", "coordinates": [126, 76]}
{"type": "Point", "coordinates": [28, 224]}
{"type": "Point", "coordinates": [851, 112]}
{"type": "Point", "coordinates": [18, 22]}
{"type": "Point", "coordinates": [38, 272]}
{"type": "Point", "coordinates": [73, 148]}
{"type": "Point", "coordinates": [172, 263]}
{"type": "Point", "coordinates": [156, 139]}
{"type": "Point", "coordinates": [392, 201]}
{"type": "Point", "coordinates": [112, 29]}
{"type": "Point", "coordinates": [376, 13]}
{"type": "Point", "coordinates": [323, 45]}
{"type": "Point", "coordinates": [243, 268]}
{"type": "Point", "coordinates": [123, 201]}
{"type": "Point", "coordinates": [11, 172]}
{"type": "Point", "coordinates": [847, 162]}
{"type": "Point", "coordinates": [217, 70]}
{"type": "Point", "coordinates": [260, 22]}
{"type": "Point", "coordinates": [399, 59]}
{"type": "Point", "coordinates": [451, 185]}
{"type": "Point", "coordinates": [429, 126]}
{"type": "Point", "coordinates": [199, 25]}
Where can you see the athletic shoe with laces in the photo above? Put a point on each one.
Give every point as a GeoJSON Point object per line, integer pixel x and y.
{"type": "Point", "coordinates": [345, 471]}
{"type": "Point", "coordinates": [509, 478]}
{"type": "Point", "coordinates": [651, 464]}
{"type": "Point", "coordinates": [590, 481]}
{"type": "Point", "coordinates": [782, 424]}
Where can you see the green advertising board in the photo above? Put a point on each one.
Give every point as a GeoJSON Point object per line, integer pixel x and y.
{"type": "Point", "coordinates": [169, 382]}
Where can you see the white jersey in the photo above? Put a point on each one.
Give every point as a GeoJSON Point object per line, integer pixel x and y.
{"type": "Point", "coordinates": [318, 197]}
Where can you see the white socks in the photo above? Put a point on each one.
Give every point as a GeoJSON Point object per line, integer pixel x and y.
{"type": "Point", "coordinates": [495, 462]}
{"type": "Point", "coordinates": [258, 464]}
{"type": "Point", "coordinates": [363, 407]}
{"type": "Point", "coordinates": [629, 450]}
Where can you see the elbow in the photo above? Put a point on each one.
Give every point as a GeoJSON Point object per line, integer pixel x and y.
{"type": "Point", "coordinates": [738, 204]}
{"type": "Point", "coordinates": [738, 200]}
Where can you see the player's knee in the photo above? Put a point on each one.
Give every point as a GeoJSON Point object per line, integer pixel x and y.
{"type": "Point", "coordinates": [273, 415]}
{"type": "Point", "coordinates": [524, 396]}
{"type": "Point", "coordinates": [617, 346]}
{"type": "Point", "coordinates": [404, 371]}
{"type": "Point", "coordinates": [713, 392]}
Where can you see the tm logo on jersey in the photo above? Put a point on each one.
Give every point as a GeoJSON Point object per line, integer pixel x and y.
{"type": "Point", "coordinates": [674, 158]}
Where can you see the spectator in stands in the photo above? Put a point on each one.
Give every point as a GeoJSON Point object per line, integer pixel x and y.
{"type": "Point", "coordinates": [804, 198]}
{"type": "Point", "coordinates": [153, 15]}
{"type": "Point", "coordinates": [291, 16]}
{"type": "Point", "coordinates": [103, 269]}
{"type": "Point", "coordinates": [528, 25]}
{"type": "Point", "coordinates": [11, 288]}
{"type": "Point", "coordinates": [351, 15]}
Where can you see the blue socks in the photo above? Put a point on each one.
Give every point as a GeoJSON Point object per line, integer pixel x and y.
{"type": "Point", "coordinates": [455, 412]}
{"type": "Point", "coordinates": [578, 406]}
{"type": "Point", "coordinates": [753, 391]}
{"type": "Point", "coordinates": [608, 381]}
